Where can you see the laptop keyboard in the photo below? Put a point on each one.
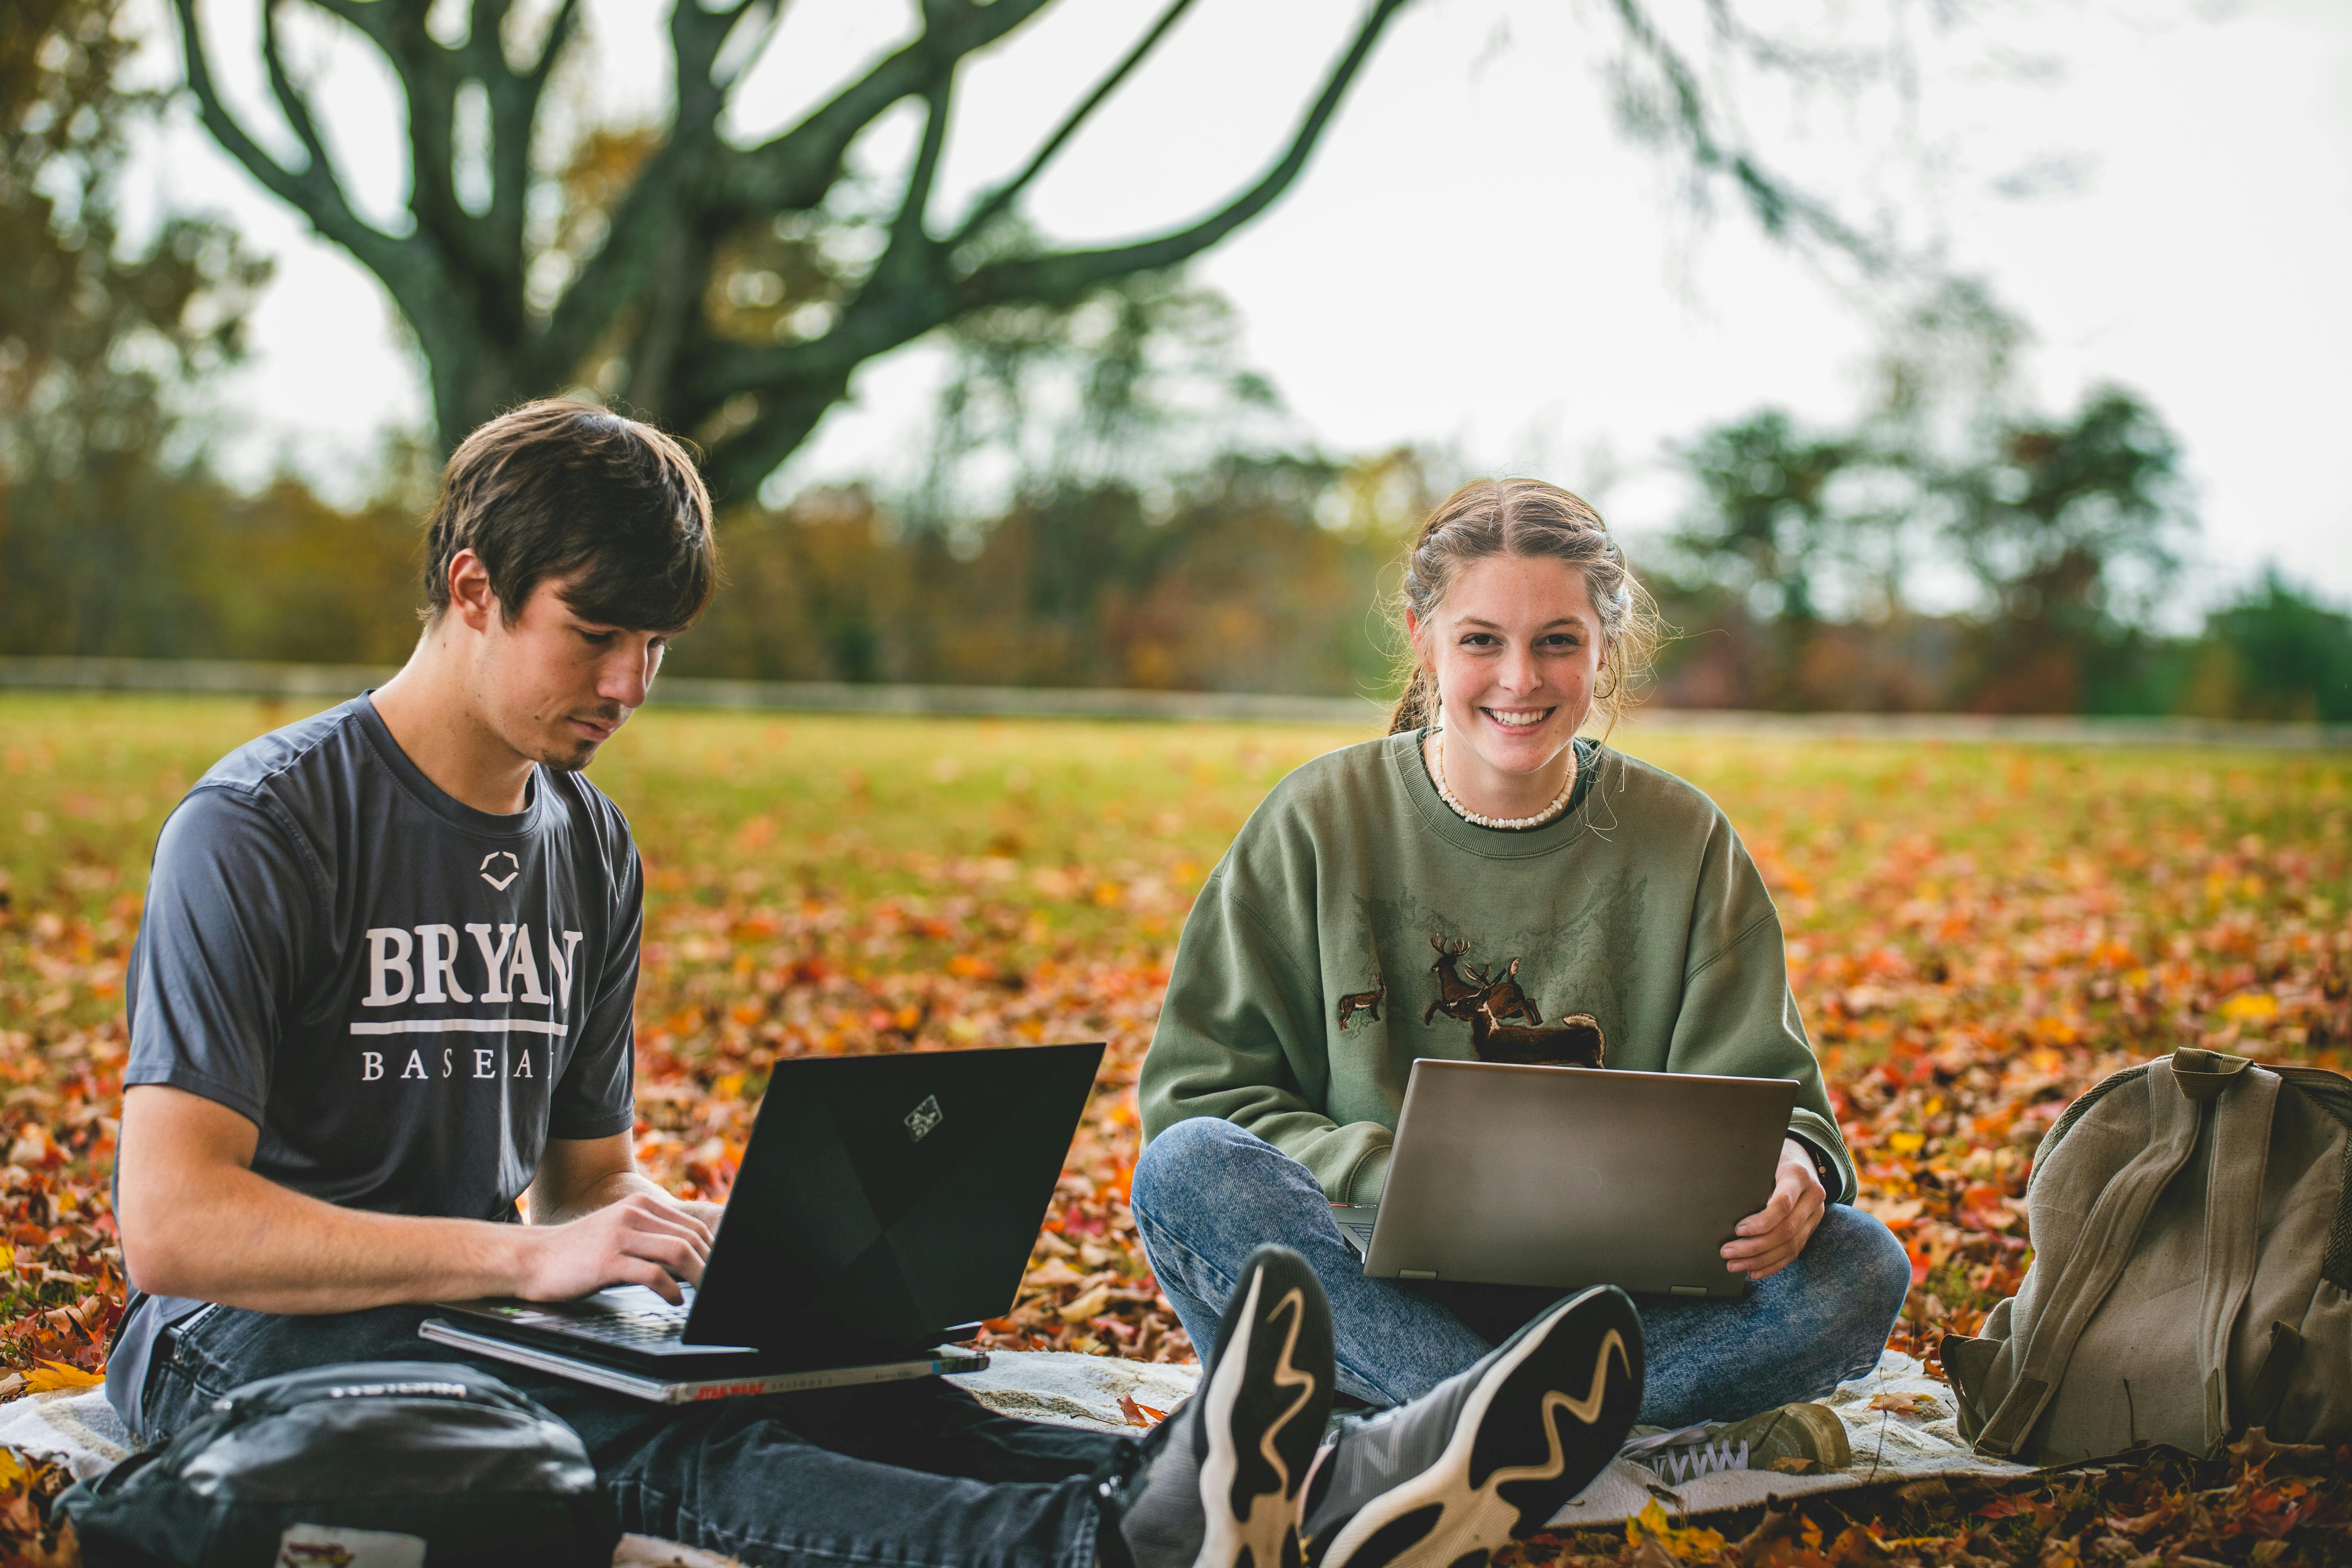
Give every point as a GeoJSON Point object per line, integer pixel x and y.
{"type": "Point", "coordinates": [628, 1329]}
{"type": "Point", "coordinates": [1362, 1233]}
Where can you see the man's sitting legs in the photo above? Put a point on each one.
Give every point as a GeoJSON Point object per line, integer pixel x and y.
{"type": "Point", "coordinates": [921, 1472]}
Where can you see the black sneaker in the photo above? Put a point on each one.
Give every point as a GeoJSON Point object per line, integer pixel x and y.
{"type": "Point", "coordinates": [1488, 1456]}
{"type": "Point", "coordinates": [1221, 1484]}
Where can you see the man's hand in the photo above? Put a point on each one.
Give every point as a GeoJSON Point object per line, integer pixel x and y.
{"type": "Point", "coordinates": [1769, 1239]}
{"type": "Point", "coordinates": [641, 1239]}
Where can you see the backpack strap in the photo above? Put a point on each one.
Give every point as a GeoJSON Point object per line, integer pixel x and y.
{"type": "Point", "coordinates": [2245, 1102]}
{"type": "Point", "coordinates": [2104, 1246]}
{"type": "Point", "coordinates": [2268, 1390]}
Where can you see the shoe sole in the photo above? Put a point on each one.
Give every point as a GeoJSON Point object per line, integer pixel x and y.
{"type": "Point", "coordinates": [1261, 1414]}
{"type": "Point", "coordinates": [1525, 1442]}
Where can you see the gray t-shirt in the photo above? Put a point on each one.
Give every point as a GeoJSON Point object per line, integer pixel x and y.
{"type": "Point", "coordinates": [408, 996]}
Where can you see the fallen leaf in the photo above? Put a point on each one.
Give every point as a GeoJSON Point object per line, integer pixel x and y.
{"type": "Point", "coordinates": [1139, 1414]}
{"type": "Point", "coordinates": [52, 1375]}
{"type": "Point", "coordinates": [1087, 1305]}
{"type": "Point", "coordinates": [1905, 1402]}
{"type": "Point", "coordinates": [2256, 1447]}
{"type": "Point", "coordinates": [1775, 1536]}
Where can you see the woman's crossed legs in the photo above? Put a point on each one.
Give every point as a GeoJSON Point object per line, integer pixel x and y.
{"type": "Point", "coordinates": [1206, 1193]}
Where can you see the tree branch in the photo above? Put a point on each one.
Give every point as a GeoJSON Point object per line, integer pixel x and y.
{"type": "Point", "coordinates": [311, 191]}
{"type": "Point", "coordinates": [792, 378]}
{"type": "Point", "coordinates": [771, 12]}
{"type": "Point", "coordinates": [1061, 278]}
{"type": "Point", "coordinates": [514, 116]}
{"type": "Point", "coordinates": [911, 247]}
{"type": "Point", "coordinates": [1779, 207]}
{"type": "Point", "coordinates": [708, 184]}
{"type": "Point", "coordinates": [321, 169]}
{"type": "Point", "coordinates": [791, 172]}
{"type": "Point", "coordinates": [696, 36]}
{"type": "Point", "coordinates": [370, 16]}
{"type": "Point", "coordinates": [997, 200]}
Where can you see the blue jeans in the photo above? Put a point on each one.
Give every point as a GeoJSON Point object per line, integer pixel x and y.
{"type": "Point", "coordinates": [904, 1474]}
{"type": "Point", "coordinates": [1206, 1193]}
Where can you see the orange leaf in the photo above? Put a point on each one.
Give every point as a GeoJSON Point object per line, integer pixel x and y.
{"type": "Point", "coordinates": [1904, 1402]}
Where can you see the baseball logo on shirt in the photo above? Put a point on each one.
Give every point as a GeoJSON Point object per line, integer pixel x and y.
{"type": "Point", "coordinates": [514, 868]}
{"type": "Point", "coordinates": [422, 964]}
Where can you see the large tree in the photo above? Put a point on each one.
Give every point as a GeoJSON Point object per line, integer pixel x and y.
{"type": "Point", "coordinates": [750, 369]}
{"type": "Point", "coordinates": [702, 281]}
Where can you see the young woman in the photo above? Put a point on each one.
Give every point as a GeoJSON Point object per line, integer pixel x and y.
{"type": "Point", "coordinates": [1304, 985]}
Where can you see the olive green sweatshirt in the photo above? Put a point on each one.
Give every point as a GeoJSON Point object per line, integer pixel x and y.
{"type": "Point", "coordinates": [1307, 975]}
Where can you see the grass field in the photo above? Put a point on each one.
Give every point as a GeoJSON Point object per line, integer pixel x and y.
{"type": "Point", "coordinates": [1976, 932]}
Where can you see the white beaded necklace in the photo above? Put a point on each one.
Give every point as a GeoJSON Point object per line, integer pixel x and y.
{"type": "Point", "coordinates": [1507, 824]}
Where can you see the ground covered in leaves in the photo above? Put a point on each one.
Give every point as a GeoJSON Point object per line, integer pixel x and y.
{"type": "Point", "coordinates": [1975, 934]}
{"type": "Point", "coordinates": [2262, 1504]}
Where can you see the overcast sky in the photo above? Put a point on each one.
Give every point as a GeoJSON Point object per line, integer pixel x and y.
{"type": "Point", "coordinates": [2161, 188]}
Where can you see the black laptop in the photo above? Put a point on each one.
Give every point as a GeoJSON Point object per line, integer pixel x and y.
{"type": "Point", "coordinates": [885, 1205]}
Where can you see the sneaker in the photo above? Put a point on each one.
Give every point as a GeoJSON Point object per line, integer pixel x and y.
{"type": "Point", "coordinates": [1222, 1480]}
{"type": "Point", "coordinates": [1488, 1456]}
{"type": "Point", "coordinates": [1795, 1439]}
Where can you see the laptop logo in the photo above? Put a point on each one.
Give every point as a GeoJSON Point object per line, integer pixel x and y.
{"type": "Point", "coordinates": [923, 1117]}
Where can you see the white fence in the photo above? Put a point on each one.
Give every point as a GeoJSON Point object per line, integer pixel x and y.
{"type": "Point", "coordinates": [233, 678]}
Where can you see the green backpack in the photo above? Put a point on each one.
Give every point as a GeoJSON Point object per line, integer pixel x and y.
{"type": "Point", "coordinates": [2191, 1221]}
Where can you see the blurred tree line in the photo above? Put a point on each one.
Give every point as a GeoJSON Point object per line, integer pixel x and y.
{"type": "Point", "coordinates": [1110, 500]}
{"type": "Point", "coordinates": [2055, 542]}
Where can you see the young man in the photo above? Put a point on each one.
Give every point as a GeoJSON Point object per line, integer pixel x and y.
{"type": "Point", "coordinates": [382, 990]}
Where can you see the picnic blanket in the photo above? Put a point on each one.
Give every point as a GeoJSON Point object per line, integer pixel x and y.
{"type": "Point", "coordinates": [1912, 1432]}
{"type": "Point", "coordinates": [1913, 1438]}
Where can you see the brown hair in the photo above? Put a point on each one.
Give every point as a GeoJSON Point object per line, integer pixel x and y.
{"type": "Point", "coordinates": [1525, 518]}
{"type": "Point", "coordinates": [559, 486]}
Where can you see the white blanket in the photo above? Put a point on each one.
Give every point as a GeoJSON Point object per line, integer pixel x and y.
{"type": "Point", "coordinates": [1886, 1443]}
{"type": "Point", "coordinates": [1084, 1391]}
{"type": "Point", "coordinates": [81, 1429]}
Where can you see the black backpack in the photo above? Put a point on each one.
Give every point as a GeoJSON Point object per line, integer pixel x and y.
{"type": "Point", "coordinates": [398, 1464]}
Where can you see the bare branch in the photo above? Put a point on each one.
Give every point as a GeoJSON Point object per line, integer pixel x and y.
{"type": "Point", "coordinates": [793, 379]}
{"type": "Point", "coordinates": [291, 102]}
{"type": "Point", "coordinates": [748, 55]}
{"type": "Point", "coordinates": [911, 247]}
{"type": "Point", "coordinates": [559, 33]}
{"type": "Point", "coordinates": [368, 17]}
{"type": "Point", "coordinates": [720, 186]}
{"type": "Point", "coordinates": [791, 172]}
{"type": "Point", "coordinates": [1779, 207]}
{"type": "Point", "coordinates": [696, 36]}
{"type": "Point", "coordinates": [311, 191]}
{"type": "Point", "coordinates": [997, 200]}
{"type": "Point", "coordinates": [484, 28]}
{"type": "Point", "coordinates": [514, 114]}
{"type": "Point", "coordinates": [1061, 278]}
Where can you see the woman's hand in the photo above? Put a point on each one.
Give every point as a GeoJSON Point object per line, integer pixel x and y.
{"type": "Point", "coordinates": [1769, 1239]}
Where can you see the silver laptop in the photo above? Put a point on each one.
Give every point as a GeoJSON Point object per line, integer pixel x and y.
{"type": "Point", "coordinates": [1573, 1176]}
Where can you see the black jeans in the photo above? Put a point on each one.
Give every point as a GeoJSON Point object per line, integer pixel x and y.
{"type": "Point", "coordinates": [910, 1475]}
